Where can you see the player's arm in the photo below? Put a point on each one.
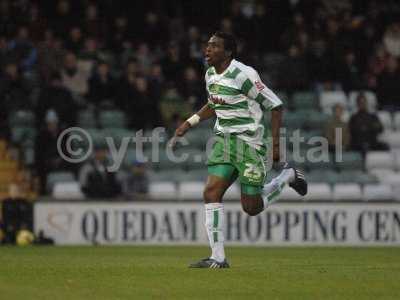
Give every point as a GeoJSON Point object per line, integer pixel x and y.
{"type": "Point", "coordinates": [206, 112]}
{"type": "Point", "coordinates": [255, 89]}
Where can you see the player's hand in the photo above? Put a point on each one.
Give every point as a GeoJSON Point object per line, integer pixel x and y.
{"type": "Point", "coordinates": [179, 132]}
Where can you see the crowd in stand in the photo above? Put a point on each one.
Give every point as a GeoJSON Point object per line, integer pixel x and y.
{"type": "Point", "coordinates": [60, 57]}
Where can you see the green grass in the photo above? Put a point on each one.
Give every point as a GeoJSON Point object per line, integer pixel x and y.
{"type": "Point", "coordinates": [162, 273]}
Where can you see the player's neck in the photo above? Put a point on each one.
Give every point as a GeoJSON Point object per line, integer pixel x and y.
{"type": "Point", "coordinates": [222, 66]}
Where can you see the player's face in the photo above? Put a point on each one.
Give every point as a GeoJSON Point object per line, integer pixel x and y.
{"type": "Point", "coordinates": [215, 51]}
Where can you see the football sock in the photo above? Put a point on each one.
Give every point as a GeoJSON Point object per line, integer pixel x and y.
{"type": "Point", "coordinates": [272, 190]}
{"type": "Point", "coordinates": [215, 227]}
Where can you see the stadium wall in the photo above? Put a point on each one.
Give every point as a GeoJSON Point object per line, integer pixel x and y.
{"type": "Point", "coordinates": [176, 223]}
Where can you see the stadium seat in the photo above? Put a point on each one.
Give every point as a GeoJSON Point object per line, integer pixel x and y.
{"type": "Point", "coordinates": [386, 119]}
{"type": "Point", "coordinates": [319, 165]}
{"type": "Point", "coordinates": [112, 119]}
{"type": "Point", "coordinates": [86, 119]}
{"type": "Point", "coordinates": [316, 120]}
{"type": "Point", "coordinates": [319, 192]}
{"type": "Point", "coordinates": [294, 120]}
{"type": "Point", "coordinates": [396, 155]}
{"type": "Point", "coordinates": [376, 192]}
{"type": "Point", "coordinates": [392, 138]}
{"type": "Point", "coordinates": [369, 95]}
{"type": "Point", "coordinates": [304, 101]}
{"type": "Point", "coordinates": [381, 173]}
{"type": "Point", "coordinates": [347, 191]}
{"type": "Point", "coordinates": [329, 99]}
{"type": "Point", "coordinates": [165, 190]}
{"type": "Point", "coordinates": [117, 135]}
{"type": "Point", "coordinates": [68, 191]}
{"type": "Point", "coordinates": [393, 179]}
{"type": "Point", "coordinates": [22, 118]}
{"type": "Point", "coordinates": [322, 176]}
{"type": "Point", "coordinates": [351, 160]}
{"type": "Point", "coordinates": [379, 159]}
{"type": "Point", "coordinates": [355, 176]}
{"type": "Point", "coordinates": [396, 120]}
{"type": "Point", "coordinates": [57, 177]}
{"type": "Point", "coordinates": [24, 136]}
{"type": "Point", "coordinates": [195, 175]}
{"type": "Point", "coordinates": [396, 193]}
{"type": "Point", "coordinates": [232, 193]}
{"type": "Point", "coordinates": [191, 190]}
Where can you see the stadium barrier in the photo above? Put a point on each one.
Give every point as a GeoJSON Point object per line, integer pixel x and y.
{"type": "Point", "coordinates": [177, 223]}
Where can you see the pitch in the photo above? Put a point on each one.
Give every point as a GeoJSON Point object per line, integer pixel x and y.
{"type": "Point", "coordinates": [162, 273]}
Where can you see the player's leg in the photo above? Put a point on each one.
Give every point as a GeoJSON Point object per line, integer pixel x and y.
{"type": "Point", "coordinates": [255, 199]}
{"type": "Point", "coordinates": [255, 196]}
{"type": "Point", "coordinates": [220, 178]}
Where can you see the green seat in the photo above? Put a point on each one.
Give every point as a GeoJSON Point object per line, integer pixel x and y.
{"type": "Point", "coordinates": [294, 120]}
{"type": "Point", "coordinates": [22, 118]}
{"type": "Point", "coordinates": [356, 177]}
{"type": "Point", "coordinates": [86, 119]}
{"type": "Point", "coordinates": [24, 136]}
{"type": "Point", "coordinates": [323, 176]}
{"type": "Point", "coordinates": [112, 119]}
{"type": "Point", "coordinates": [316, 119]}
{"type": "Point", "coordinates": [164, 160]}
{"type": "Point", "coordinates": [117, 135]}
{"type": "Point", "coordinates": [56, 177]}
{"type": "Point", "coordinates": [166, 175]}
{"type": "Point", "coordinates": [304, 101]}
{"type": "Point", "coordinates": [326, 165]}
{"type": "Point", "coordinates": [351, 161]}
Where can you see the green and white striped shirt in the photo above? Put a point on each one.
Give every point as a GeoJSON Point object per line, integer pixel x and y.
{"type": "Point", "coordinates": [238, 97]}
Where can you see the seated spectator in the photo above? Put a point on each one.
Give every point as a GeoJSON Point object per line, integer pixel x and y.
{"type": "Point", "coordinates": [14, 89]}
{"type": "Point", "coordinates": [75, 74]}
{"type": "Point", "coordinates": [364, 129]}
{"type": "Point", "coordinates": [47, 157]}
{"type": "Point", "coordinates": [101, 85]}
{"type": "Point", "coordinates": [55, 96]}
{"type": "Point", "coordinates": [388, 87]}
{"type": "Point", "coordinates": [136, 182]}
{"type": "Point", "coordinates": [95, 180]}
{"type": "Point", "coordinates": [337, 123]}
{"type": "Point", "coordinates": [391, 39]}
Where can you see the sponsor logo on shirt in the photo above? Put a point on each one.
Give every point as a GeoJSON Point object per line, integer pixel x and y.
{"type": "Point", "coordinates": [259, 85]}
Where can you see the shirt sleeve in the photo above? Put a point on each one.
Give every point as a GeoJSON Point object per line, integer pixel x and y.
{"type": "Point", "coordinates": [255, 89]}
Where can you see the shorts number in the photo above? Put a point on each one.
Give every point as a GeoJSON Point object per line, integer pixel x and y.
{"type": "Point", "coordinates": [252, 172]}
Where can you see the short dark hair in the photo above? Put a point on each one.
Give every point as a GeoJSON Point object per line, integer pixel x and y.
{"type": "Point", "coordinates": [229, 42]}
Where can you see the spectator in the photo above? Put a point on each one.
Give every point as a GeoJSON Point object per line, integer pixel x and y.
{"type": "Point", "coordinates": [14, 89]}
{"type": "Point", "coordinates": [95, 180]}
{"type": "Point", "coordinates": [55, 96]}
{"type": "Point", "coordinates": [75, 74]}
{"type": "Point", "coordinates": [47, 157]}
{"type": "Point", "coordinates": [191, 90]}
{"type": "Point", "coordinates": [364, 129]}
{"type": "Point", "coordinates": [349, 73]}
{"type": "Point", "coordinates": [101, 85]}
{"type": "Point", "coordinates": [337, 123]}
{"type": "Point", "coordinates": [388, 87]}
{"type": "Point", "coordinates": [391, 39]}
{"type": "Point", "coordinates": [172, 65]}
{"type": "Point", "coordinates": [136, 183]}
{"type": "Point", "coordinates": [136, 98]}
